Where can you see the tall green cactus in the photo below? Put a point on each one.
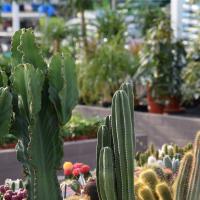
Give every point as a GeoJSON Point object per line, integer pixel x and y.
{"type": "Point", "coordinates": [194, 182]}
{"type": "Point", "coordinates": [43, 96]}
{"type": "Point", "coordinates": [107, 173]}
{"type": "Point", "coordinates": [121, 145]}
{"type": "Point", "coordinates": [188, 181]}
{"type": "Point", "coordinates": [181, 183]}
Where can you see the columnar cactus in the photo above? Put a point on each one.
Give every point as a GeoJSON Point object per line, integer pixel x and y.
{"type": "Point", "coordinates": [187, 184]}
{"type": "Point", "coordinates": [120, 131]}
{"type": "Point", "coordinates": [181, 183]}
{"type": "Point", "coordinates": [42, 97]}
{"type": "Point", "coordinates": [194, 182]}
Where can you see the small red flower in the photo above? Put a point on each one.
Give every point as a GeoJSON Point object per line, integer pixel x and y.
{"type": "Point", "coordinates": [76, 172]}
{"type": "Point", "coordinates": [77, 165]}
{"type": "Point", "coordinates": [67, 172]}
{"type": "Point", "coordinates": [85, 169]}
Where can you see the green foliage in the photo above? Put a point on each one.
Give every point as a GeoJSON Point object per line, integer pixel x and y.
{"type": "Point", "coordinates": [81, 5]}
{"type": "Point", "coordinates": [79, 126]}
{"type": "Point", "coordinates": [161, 62]}
{"type": "Point", "coordinates": [53, 28]}
{"type": "Point", "coordinates": [121, 146]}
{"type": "Point", "coordinates": [191, 86]}
{"type": "Point", "coordinates": [53, 32]}
{"type": "Point", "coordinates": [150, 14]}
{"type": "Point", "coordinates": [40, 100]}
{"type": "Point", "coordinates": [107, 69]}
{"type": "Point", "coordinates": [110, 25]}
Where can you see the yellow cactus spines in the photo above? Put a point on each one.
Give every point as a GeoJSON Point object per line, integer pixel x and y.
{"type": "Point", "coordinates": [145, 193]}
{"type": "Point", "coordinates": [181, 184]}
{"type": "Point", "coordinates": [163, 192]}
{"type": "Point", "coordinates": [149, 178]}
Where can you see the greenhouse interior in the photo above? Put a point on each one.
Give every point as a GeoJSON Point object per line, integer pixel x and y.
{"type": "Point", "coordinates": [100, 100]}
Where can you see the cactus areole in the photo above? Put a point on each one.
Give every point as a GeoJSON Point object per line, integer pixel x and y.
{"type": "Point", "coordinates": [34, 106]}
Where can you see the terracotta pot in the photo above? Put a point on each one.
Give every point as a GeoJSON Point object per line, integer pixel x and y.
{"type": "Point", "coordinates": [153, 106]}
{"type": "Point", "coordinates": [173, 106]}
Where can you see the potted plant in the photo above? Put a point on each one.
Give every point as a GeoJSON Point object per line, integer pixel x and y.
{"type": "Point", "coordinates": [161, 61]}
{"type": "Point", "coordinates": [191, 74]}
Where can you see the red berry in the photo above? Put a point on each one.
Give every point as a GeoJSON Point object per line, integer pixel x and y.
{"type": "Point", "coordinates": [77, 165]}
{"type": "Point", "coordinates": [76, 172]}
{"type": "Point", "coordinates": [85, 169]}
{"type": "Point", "coordinates": [67, 172]}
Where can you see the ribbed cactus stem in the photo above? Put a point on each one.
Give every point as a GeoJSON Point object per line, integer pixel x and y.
{"type": "Point", "coordinates": [194, 182]}
{"type": "Point", "coordinates": [167, 162]}
{"type": "Point", "coordinates": [100, 177]}
{"type": "Point", "coordinates": [145, 193]}
{"type": "Point", "coordinates": [108, 174]}
{"type": "Point", "coordinates": [175, 165]}
{"type": "Point", "coordinates": [104, 140]}
{"type": "Point", "coordinates": [163, 192]}
{"type": "Point", "coordinates": [181, 183]}
{"type": "Point", "coordinates": [123, 144]}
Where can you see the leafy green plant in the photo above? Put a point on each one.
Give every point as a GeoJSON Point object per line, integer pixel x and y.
{"type": "Point", "coordinates": [100, 76]}
{"type": "Point", "coordinates": [161, 62]}
{"type": "Point", "coordinates": [35, 106]}
{"type": "Point", "coordinates": [111, 24]}
{"type": "Point", "coordinates": [53, 31]}
{"type": "Point", "coordinates": [81, 127]}
{"type": "Point", "coordinates": [191, 74]}
{"type": "Point", "coordinates": [81, 6]}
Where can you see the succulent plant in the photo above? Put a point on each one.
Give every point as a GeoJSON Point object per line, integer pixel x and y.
{"type": "Point", "coordinates": [117, 150]}
{"type": "Point", "coordinates": [149, 178]}
{"type": "Point", "coordinates": [36, 104]}
{"type": "Point", "coordinates": [163, 192]}
{"type": "Point", "coordinates": [146, 193]}
{"type": "Point", "coordinates": [181, 183]}
{"type": "Point", "coordinates": [167, 162]}
{"type": "Point", "coordinates": [187, 184]}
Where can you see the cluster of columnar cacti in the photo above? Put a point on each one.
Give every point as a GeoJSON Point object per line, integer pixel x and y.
{"type": "Point", "coordinates": [116, 148]}
{"type": "Point", "coordinates": [34, 106]}
{"type": "Point", "coordinates": [187, 185]}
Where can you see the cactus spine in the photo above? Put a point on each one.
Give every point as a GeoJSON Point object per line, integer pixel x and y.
{"type": "Point", "coordinates": [145, 193]}
{"type": "Point", "coordinates": [163, 192]}
{"type": "Point", "coordinates": [187, 184]}
{"type": "Point", "coordinates": [194, 182]}
{"type": "Point", "coordinates": [181, 183]}
{"type": "Point", "coordinates": [121, 146]}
